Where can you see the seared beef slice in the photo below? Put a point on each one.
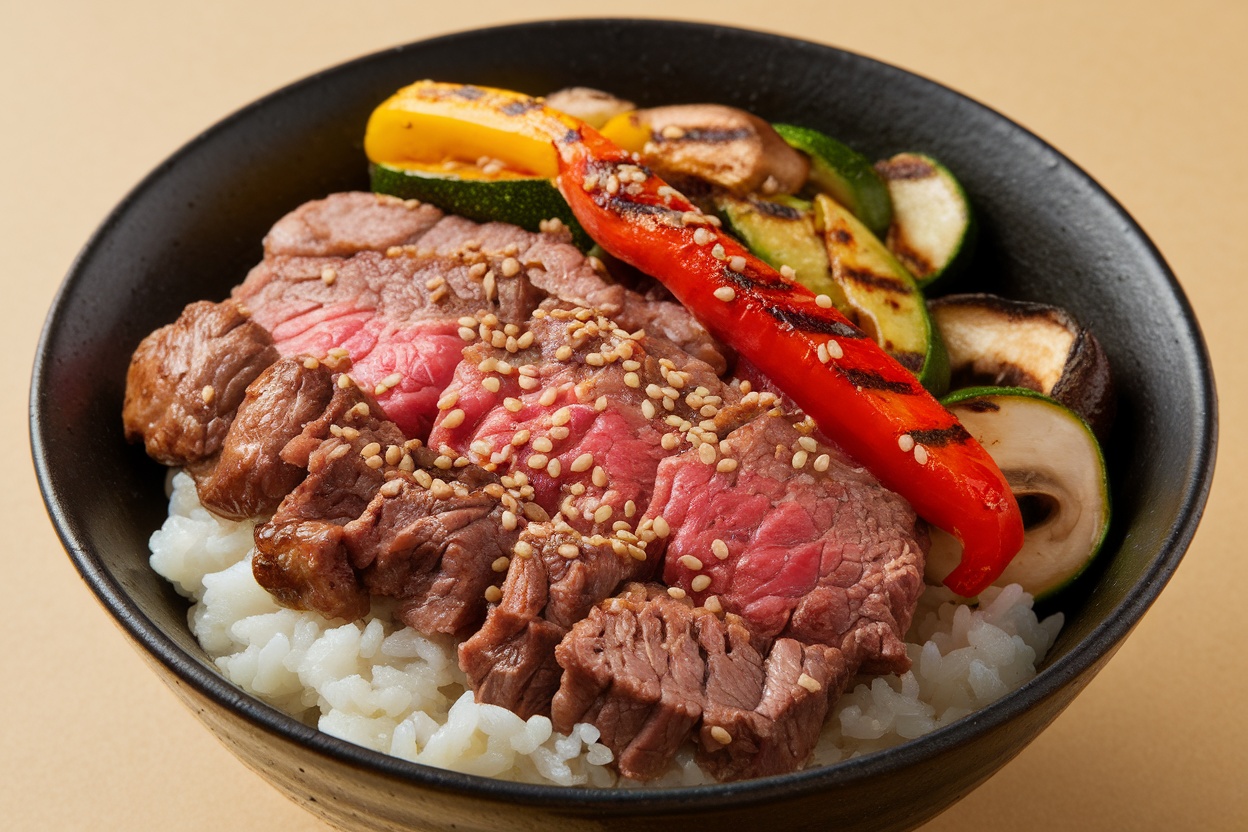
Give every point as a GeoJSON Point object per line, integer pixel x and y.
{"type": "Point", "coordinates": [186, 380]}
{"type": "Point", "coordinates": [796, 541]}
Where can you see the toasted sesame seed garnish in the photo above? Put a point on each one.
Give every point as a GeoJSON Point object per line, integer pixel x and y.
{"type": "Point", "coordinates": [554, 468]}
{"type": "Point", "coordinates": [503, 367]}
{"type": "Point", "coordinates": [834, 350]}
{"type": "Point", "coordinates": [434, 282]}
{"type": "Point", "coordinates": [736, 263]}
{"type": "Point", "coordinates": [493, 594]}
{"type": "Point", "coordinates": [453, 419]}
{"type": "Point", "coordinates": [522, 549]}
{"type": "Point", "coordinates": [375, 461]}
{"type": "Point", "coordinates": [719, 549]}
{"type": "Point", "coordinates": [439, 294]}
{"type": "Point", "coordinates": [208, 394]}
{"type": "Point", "coordinates": [595, 359]}
{"type": "Point", "coordinates": [509, 520]}
{"type": "Point", "coordinates": [361, 409]}
{"type": "Point", "coordinates": [394, 455]}
{"type": "Point", "coordinates": [676, 592]}
{"type": "Point", "coordinates": [822, 462]}
{"type": "Point", "coordinates": [371, 449]}
{"type": "Point", "coordinates": [599, 477]}
{"type": "Point", "coordinates": [920, 454]}
{"type": "Point", "coordinates": [548, 396]}
{"type": "Point", "coordinates": [339, 452]}
{"type": "Point", "coordinates": [713, 605]}
{"type": "Point", "coordinates": [720, 735]}
{"type": "Point", "coordinates": [799, 459]}
{"type": "Point", "coordinates": [443, 462]}
{"type": "Point", "coordinates": [706, 453]}
{"type": "Point", "coordinates": [568, 550]}
{"type": "Point", "coordinates": [513, 405]}
{"type": "Point", "coordinates": [510, 267]}
{"type": "Point", "coordinates": [718, 252]}
{"type": "Point", "coordinates": [648, 409]}
{"type": "Point", "coordinates": [661, 528]}
{"type": "Point", "coordinates": [726, 465]}
{"type": "Point", "coordinates": [561, 416]}
{"type": "Point", "coordinates": [905, 442]}
{"type": "Point", "coordinates": [563, 353]}
{"type": "Point", "coordinates": [669, 441]}
{"type": "Point", "coordinates": [537, 461]}
{"type": "Point", "coordinates": [449, 400]}
{"type": "Point", "coordinates": [700, 583]}
{"type": "Point", "coordinates": [543, 445]}
{"type": "Point", "coordinates": [491, 383]}
{"type": "Point", "coordinates": [350, 434]}
{"type": "Point", "coordinates": [500, 564]}
{"type": "Point", "coordinates": [329, 275]}
{"type": "Point", "coordinates": [603, 513]}
{"type": "Point", "coordinates": [690, 562]}
{"type": "Point", "coordinates": [701, 236]}
{"type": "Point", "coordinates": [582, 463]}
{"type": "Point", "coordinates": [823, 301]}
{"type": "Point", "coordinates": [807, 443]}
{"type": "Point", "coordinates": [725, 293]}
{"type": "Point", "coordinates": [391, 488]}
{"type": "Point", "coordinates": [423, 478]}
{"type": "Point", "coordinates": [810, 683]}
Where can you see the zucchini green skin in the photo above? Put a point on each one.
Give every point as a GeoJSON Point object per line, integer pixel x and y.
{"type": "Point", "coordinates": [522, 202]}
{"type": "Point", "coordinates": [943, 203]}
{"type": "Point", "coordinates": [988, 397]}
{"type": "Point", "coordinates": [843, 174]}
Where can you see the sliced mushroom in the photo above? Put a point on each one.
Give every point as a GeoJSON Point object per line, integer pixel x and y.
{"type": "Point", "coordinates": [594, 107]}
{"type": "Point", "coordinates": [690, 144]}
{"type": "Point", "coordinates": [1007, 343]}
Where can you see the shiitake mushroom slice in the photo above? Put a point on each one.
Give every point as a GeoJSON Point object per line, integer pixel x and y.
{"type": "Point", "coordinates": [1007, 343]}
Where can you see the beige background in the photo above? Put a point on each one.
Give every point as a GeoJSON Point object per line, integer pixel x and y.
{"type": "Point", "coordinates": [1152, 103]}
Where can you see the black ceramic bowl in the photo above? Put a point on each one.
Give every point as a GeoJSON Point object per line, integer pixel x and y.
{"type": "Point", "coordinates": [1047, 232]}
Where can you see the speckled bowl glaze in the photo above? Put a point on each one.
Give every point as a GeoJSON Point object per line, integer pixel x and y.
{"type": "Point", "coordinates": [1047, 232]}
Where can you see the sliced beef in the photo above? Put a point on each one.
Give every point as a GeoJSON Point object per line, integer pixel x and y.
{"type": "Point", "coordinates": [249, 478]}
{"type": "Point", "coordinates": [796, 541]}
{"type": "Point", "coordinates": [186, 380]}
{"type": "Point", "coordinates": [388, 283]}
{"type": "Point", "coordinates": [764, 716]}
{"type": "Point", "coordinates": [510, 660]}
{"type": "Point", "coordinates": [300, 556]}
{"type": "Point", "coordinates": [555, 579]}
{"type": "Point", "coordinates": [634, 669]}
{"type": "Point", "coordinates": [579, 411]}
{"type": "Point", "coordinates": [434, 547]}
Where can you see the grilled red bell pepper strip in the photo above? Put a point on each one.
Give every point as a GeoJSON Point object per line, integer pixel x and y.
{"type": "Point", "coordinates": [874, 408]}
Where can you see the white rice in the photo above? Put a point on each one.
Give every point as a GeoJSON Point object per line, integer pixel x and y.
{"type": "Point", "coordinates": [399, 692]}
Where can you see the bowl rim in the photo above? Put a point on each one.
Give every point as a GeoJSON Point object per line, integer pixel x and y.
{"type": "Point", "coordinates": [192, 671]}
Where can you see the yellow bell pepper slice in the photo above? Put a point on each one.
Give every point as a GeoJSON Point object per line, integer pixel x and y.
{"type": "Point", "coordinates": [429, 123]}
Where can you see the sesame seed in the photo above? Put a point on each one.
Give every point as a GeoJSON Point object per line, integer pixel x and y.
{"type": "Point", "coordinates": [720, 735]}
{"type": "Point", "coordinates": [737, 263]}
{"type": "Point", "coordinates": [434, 282]}
{"type": "Point", "coordinates": [520, 437]}
{"type": "Point", "coordinates": [660, 526]}
{"type": "Point", "coordinates": [500, 564]}
{"type": "Point", "coordinates": [671, 131]}
{"type": "Point", "coordinates": [719, 549]}
{"type": "Point", "coordinates": [208, 394]}
{"type": "Point", "coordinates": [701, 236]}
{"type": "Point", "coordinates": [712, 604]}
{"type": "Point", "coordinates": [513, 405]}
{"type": "Point", "coordinates": [371, 449]}
{"type": "Point", "coordinates": [360, 409]}
{"type": "Point", "coordinates": [725, 293]}
{"type": "Point", "coordinates": [676, 592]}
{"type": "Point", "coordinates": [522, 549]}
{"type": "Point", "coordinates": [632, 380]}
{"type": "Point", "coordinates": [568, 550]}
{"type": "Point", "coordinates": [718, 252]}
{"type": "Point", "coordinates": [807, 443]}
{"type": "Point", "coordinates": [799, 459]}
{"type": "Point", "coordinates": [603, 513]}
{"type": "Point", "coordinates": [630, 508]}
{"type": "Point", "coordinates": [706, 453]}
{"type": "Point", "coordinates": [726, 465]}
{"type": "Point", "coordinates": [647, 409]}
{"type": "Point", "coordinates": [339, 452]}
{"type": "Point", "coordinates": [835, 350]}
{"type": "Point", "coordinates": [561, 416]}
{"type": "Point", "coordinates": [543, 445]}
{"type": "Point", "coordinates": [443, 462]}
{"type": "Point", "coordinates": [467, 320]}
{"type": "Point", "coordinates": [700, 583]}
{"type": "Point", "coordinates": [537, 461]}
{"type": "Point", "coordinates": [560, 432]}
{"type": "Point", "coordinates": [690, 562]}
{"type": "Point", "coordinates": [503, 367]}
{"type": "Point", "coordinates": [920, 454]}
{"type": "Point", "coordinates": [393, 455]}
{"type": "Point", "coordinates": [328, 275]}
{"type": "Point", "coordinates": [391, 488]}
{"type": "Point", "coordinates": [669, 441]}
{"type": "Point", "coordinates": [599, 477]}
{"type": "Point", "coordinates": [491, 383]}
{"type": "Point", "coordinates": [582, 463]}
{"type": "Point", "coordinates": [449, 400]}
{"type": "Point", "coordinates": [822, 462]}
{"type": "Point", "coordinates": [423, 478]}
{"type": "Point", "coordinates": [548, 396]}
{"type": "Point", "coordinates": [563, 353]}
{"type": "Point", "coordinates": [509, 520]}
{"type": "Point", "coordinates": [554, 468]}
{"type": "Point", "coordinates": [823, 301]}
{"type": "Point", "coordinates": [310, 363]}
{"type": "Point", "coordinates": [905, 442]}
{"type": "Point", "coordinates": [510, 267]}
{"type": "Point", "coordinates": [810, 683]}
{"type": "Point", "coordinates": [493, 594]}
{"type": "Point", "coordinates": [453, 419]}
{"type": "Point", "coordinates": [375, 462]}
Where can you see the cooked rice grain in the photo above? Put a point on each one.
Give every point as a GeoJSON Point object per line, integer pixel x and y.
{"type": "Point", "coordinates": [399, 692]}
